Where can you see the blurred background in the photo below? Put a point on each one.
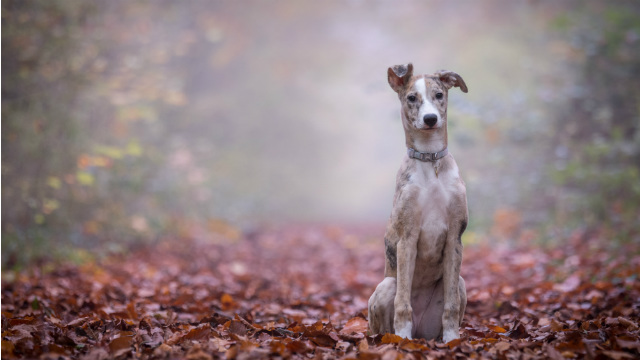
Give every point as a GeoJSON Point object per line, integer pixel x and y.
{"type": "Point", "coordinates": [132, 121]}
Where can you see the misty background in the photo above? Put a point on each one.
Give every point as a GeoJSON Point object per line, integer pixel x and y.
{"type": "Point", "coordinates": [126, 121]}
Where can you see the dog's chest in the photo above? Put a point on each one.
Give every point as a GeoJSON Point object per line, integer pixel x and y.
{"type": "Point", "coordinates": [434, 199]}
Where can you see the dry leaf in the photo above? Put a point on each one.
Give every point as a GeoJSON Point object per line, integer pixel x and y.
{"type": "Point", "coordinates": [355, 325]}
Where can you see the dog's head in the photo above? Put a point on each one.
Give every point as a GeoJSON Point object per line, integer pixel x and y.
{"type": "Point", "coordinates": [423, 97]}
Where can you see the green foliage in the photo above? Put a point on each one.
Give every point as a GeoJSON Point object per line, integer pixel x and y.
{"type": "Point", "coordinates": [98, 144]}
{"type": "Point", "coordinates": [602, 187]}
{"type": "Point", "coordinates": [73, 172]}
{"type": "Point", "coordinates": [597, 139]}
{"type": "Point", "coordinates": [38, 43]}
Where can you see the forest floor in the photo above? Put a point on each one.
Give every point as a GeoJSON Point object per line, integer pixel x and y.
{"type": "Point", "coordinates": [301, 292]}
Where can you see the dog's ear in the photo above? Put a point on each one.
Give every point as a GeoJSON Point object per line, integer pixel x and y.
{"type": "Point", "coordinates": [399, 75]}
{"type": "Point", "coordinates": [451, 79]}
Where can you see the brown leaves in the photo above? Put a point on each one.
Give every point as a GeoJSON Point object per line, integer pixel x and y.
{"type": "Point", "coordinates": [122, 344]}
{"type": "Point", "coordinates": [303, 293]}
{"type": "Point", "coordinates": [199, 333]}
{"type": "Point", "coordinates": [391, 339]}
{"type": "Point", "coordinates": [519, 331]}
{"type": "Point", "coordinates": [496, 329]}
{"type": "Point", "coordinates": [355, 325]}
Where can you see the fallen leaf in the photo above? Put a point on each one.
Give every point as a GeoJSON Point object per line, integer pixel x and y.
{"type": "Point", "coordinates": [391, 339]}
{"type": "Point", "coordinates": [121, 345]}
{"type": "Point", "coordinates": [628, 323]}
{"type": "Point", "coordinates": [502, 346]}
{"type": "Point", "coordinates": [453, 343]}
{"type": "Point", "coordinates": [199, 333]}
{"type": "Point", "coordinates": [497, 329]}
{"type": "Point", "coordinates": [355, 325]}
{"type": "Point", "coordinates": [617, 355]}
{"type": "Point", "coordinates": [363, 345]}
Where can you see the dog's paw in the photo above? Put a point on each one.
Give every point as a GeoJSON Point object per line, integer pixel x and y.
{"type": "Point", "coordinates": [450, 335]}
{"type": "Point", "coordinates": [404, 330]}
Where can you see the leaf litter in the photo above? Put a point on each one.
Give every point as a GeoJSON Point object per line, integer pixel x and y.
{"type": "Point", "coordinates": [301, 292]}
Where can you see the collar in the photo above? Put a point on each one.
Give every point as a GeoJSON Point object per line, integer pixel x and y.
{"type": "Point", "coordinates": [415, 154]}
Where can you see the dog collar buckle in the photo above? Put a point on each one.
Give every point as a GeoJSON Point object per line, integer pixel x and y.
{"type": "Point", "coordinates": [414, 154]}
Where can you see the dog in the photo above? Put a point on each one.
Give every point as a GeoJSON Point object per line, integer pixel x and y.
{"type": "Point", "coordinates": [423, 294]}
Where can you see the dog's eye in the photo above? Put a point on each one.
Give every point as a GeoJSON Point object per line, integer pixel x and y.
{"type": "Point", "coordinates": [439, 96]}
{"type": "Point", "coordinates": [411, 98]}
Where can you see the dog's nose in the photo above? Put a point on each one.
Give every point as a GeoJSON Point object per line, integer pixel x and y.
{"type": "Point", "coordinates": [430, 119]}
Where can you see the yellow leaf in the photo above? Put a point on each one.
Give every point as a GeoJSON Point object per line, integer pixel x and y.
{"type": "Point", "coordinates": [84, 178]}
{"type": "Point", "coordinates": [54, 182]}
{"type": "Point", "coordinates": [134, 149]}
{"type": "Point", "coordinates": [469, 238]}
{"type": "Point", "coordinates": [39, 219]}
{"type": "Point", "coordinates": [110, 151]}
{"type": "Point", "coordinates": [50, 205]}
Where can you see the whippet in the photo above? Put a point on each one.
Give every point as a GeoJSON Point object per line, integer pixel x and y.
{"type": "Point", "coordinates": [423, 294]}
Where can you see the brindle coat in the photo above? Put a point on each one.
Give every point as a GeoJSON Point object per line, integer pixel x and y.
{"type": "Point", "coordinates": [423, 294]}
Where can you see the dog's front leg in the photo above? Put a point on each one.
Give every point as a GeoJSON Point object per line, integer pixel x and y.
{"type": "Point", "coordinates": [453, 260]}
{"type": "Point", "coordinates": [402, 304]}
{"type": "Point", "coordinates": [401, 241]}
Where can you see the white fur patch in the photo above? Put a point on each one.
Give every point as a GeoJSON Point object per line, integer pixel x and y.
{"type": "Point", "coordinates": [405, 330]}
{"type": "Point", "coordinates": [427, 106]}
{"type": "Point", "coordinates": [449, 335]}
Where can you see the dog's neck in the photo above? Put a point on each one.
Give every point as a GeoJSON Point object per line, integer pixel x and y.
{"type": "Point", "coordinates": [427, 141]}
